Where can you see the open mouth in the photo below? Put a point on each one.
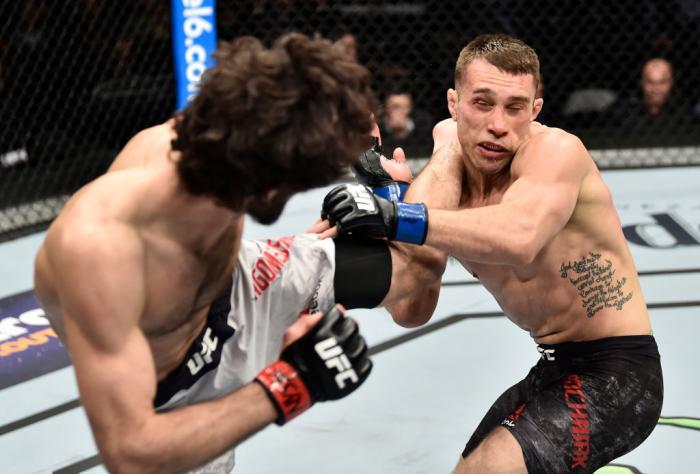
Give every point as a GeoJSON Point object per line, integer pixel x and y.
{"type": "Point", "coordinates": [492, 148]}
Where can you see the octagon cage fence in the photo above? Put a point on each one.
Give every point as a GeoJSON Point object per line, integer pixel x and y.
{"type": "Point", "coordinates": [78, 78]}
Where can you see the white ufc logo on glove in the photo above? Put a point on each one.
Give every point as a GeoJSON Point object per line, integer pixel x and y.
{"type": "Point", "coordinates": [335, 358]}
{"type": "Point", "coordinates": [362, 197]}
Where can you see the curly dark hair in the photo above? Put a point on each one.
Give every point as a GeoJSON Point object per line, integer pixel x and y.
{"type": "Point", "coordinates": [290, 117]}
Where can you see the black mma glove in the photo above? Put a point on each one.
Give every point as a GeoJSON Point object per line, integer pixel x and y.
{"type": "Point", "coordinates": [369, 171]}
{"type": "Point", "coordinates": [354, 208]}
{"type": "Point", "coordinates": [327, 363]}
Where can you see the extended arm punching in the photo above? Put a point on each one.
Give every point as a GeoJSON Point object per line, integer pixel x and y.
{"type": "Point", "coordinates": [439, 185]}
{"type": "Point", "coordinates": [364, 266]}
{"type": "Point", "coordinates": [547, 177]}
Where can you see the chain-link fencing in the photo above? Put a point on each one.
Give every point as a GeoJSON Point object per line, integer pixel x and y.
{"type": "Point", "coordinates": [79, 77]}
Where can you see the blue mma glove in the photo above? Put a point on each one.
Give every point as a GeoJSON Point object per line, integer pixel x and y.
{"type": "Point", "coordinates": [353, 208]}
{"type": "Point", "coordinates": [370, 172]}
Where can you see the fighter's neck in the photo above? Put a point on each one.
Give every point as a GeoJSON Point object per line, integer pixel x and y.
{"type": "Point", "coordinates": [480, 186]}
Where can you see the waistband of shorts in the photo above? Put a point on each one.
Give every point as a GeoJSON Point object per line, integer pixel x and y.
{"type": "Point", "coordinates": [204, 353]}
{"type": "Point", "coordinates": [644, 343]}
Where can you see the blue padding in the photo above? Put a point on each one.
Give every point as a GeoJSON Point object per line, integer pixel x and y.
{"type": "Point", "coordinates": [393, 191]}
{"type": "Point", "coordinates": [194, 41]}
{"type": "Point", "coordinates": [411, 222]}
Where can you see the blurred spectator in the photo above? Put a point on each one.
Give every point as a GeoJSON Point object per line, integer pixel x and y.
{"type": "Point", "coordinates": [656, 82]}
{"type": "Point", "coordinates": [347, 43]}
{"type": "Point", "coordinates": [658, 115]}
{"type": "Point", "coordinates": [658, 107]}
{"type": "Point", "coordinates": [404, 126]}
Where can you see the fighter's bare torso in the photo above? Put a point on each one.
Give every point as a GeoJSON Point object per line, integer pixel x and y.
{"type": "Point", "coordinates": [141, 202]}
{"type": "Point", "coordinates": [583, 284]}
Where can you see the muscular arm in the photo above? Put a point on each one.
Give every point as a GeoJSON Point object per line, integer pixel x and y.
{"type": "Point", "coordinates": [102, 295]}
{"type": "Point", "coordinates": [548, 175]}
{"type": "Point", "coordinates": [417, 270]}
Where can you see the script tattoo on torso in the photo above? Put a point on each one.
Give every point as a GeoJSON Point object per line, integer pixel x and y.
{"type": "Point", "coordinates": [596, 283]}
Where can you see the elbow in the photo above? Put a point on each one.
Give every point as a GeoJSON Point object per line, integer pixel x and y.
{"type": "Point", "coordinates": [524, 251]}
{"type": "Point", "coordinates": [117, 461]}
{"type": "Point", "coordinates": [116, 464]}
{"type": "Point", "coordinates": [416, 310]}
{"type": "Point", "coordinates": [415, 284]}
{"type": "Point", "coordinates": [121, 464]}
{"type": "Point", "coordinates": [411, 319]}
{"type": "Point", "coordinates": [433, 263]}
{"type": "Point", "coordinates": [124, 456]}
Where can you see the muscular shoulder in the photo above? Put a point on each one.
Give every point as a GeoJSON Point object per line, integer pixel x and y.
{"type": "Point", "coordinates": [149, 146]}
{"type": "Point", "coordinates": [555, 139]}
{"type": "Point", "coordinates": [94, 226]}
{"type": "Point", "coordinates": [84, 247]}
{"type": "Point", "coordinates": [552, 147]}
{"type": "Point", "coordinates": [94, 270]}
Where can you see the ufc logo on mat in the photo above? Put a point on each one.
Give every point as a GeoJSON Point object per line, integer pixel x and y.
{"type": "Point", "coordinates": [335, 358]}
{"type": "Point", "coordinates": [362, 197]}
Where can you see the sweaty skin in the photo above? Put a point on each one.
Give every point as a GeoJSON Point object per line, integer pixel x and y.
{"type": "Point", "coordinates": [525, 209]}
{"type": "Point", "coordinates": [126, 276]}
{"type": "Point", "coordinates": [122, 209]}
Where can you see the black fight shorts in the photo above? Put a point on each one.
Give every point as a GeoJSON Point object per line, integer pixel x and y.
{"type": "Point", "coordinates": [204, 353]}
{"type": "Point", "coordinates": [582, 405]}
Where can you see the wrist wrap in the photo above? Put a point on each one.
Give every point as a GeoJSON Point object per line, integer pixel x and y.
{"type": "Point", "coordinates": [411, 222]}
{"type": "Point", "coordinates": [286, 390]}
{"type": "Point", "coordinates": [392, 191]}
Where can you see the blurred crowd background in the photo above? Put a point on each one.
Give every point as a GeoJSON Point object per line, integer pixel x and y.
{"type": "Point", "coordinates": [79, 77]}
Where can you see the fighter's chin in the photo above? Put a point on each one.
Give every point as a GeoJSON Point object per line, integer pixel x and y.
{"type": "Point", "coordinates": [491, 164]}
{"type": "Point", "coordinates": [266, 215]}
{"type": "Point", "coordinates": [264, 219]}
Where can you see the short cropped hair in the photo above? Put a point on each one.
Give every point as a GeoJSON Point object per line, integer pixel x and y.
{"type": "Point", "coordinates": [293, 116]}
{"type": "Point", "coordinates": [507, 53]}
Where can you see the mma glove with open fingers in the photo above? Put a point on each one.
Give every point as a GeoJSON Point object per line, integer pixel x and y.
{"type": "Point", "coordinates": [327, 363]}
{"type": "Point", "coordinates": [353, 208]}
{"type": "Point", "coordinates": [369, 171]}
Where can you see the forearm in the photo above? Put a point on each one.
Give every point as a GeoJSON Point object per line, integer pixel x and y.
{"type": "Point", "coordinates": [403, 278]}
{"type": "Point", "coordinates": [188, 437]}
{"type": "Point", "coordinates": [491, 234]}
{"type": "Point", "coordinates": [415, 283]}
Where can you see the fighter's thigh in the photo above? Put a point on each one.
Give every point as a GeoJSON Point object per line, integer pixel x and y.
{"type": "Point", "coordinates": [498, 453]}
{"type": "Point", "coordinates": [504, 411]}
{"type": "Point", "coordinates": [578, 423]}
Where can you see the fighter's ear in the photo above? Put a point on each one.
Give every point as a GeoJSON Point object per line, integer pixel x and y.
{"type": "Point", "coordinates": [452, 103]}
{"type": "Point", "coordinates": [537, 107]}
